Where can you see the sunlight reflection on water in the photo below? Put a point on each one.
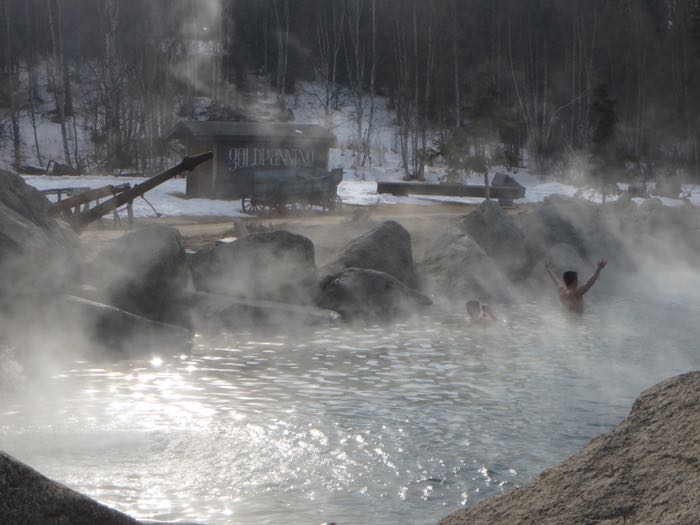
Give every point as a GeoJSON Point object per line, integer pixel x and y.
{"type": "Point", "coordinates": [351, 425]}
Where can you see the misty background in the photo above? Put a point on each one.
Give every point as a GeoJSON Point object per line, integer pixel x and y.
{"type": "Point", "coordinates": [606, 87]}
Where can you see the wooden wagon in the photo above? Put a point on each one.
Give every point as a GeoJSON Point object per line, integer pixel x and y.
{"type": "Point", "coordinates": [280, 189]}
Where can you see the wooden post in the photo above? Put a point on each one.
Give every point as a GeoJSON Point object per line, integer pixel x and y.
{"type": "Point", "coordinates": [130, 213]}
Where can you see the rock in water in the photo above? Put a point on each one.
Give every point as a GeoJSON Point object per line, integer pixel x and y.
{"type": "Point", "coordinates": [120, 333]}
{"type": "Point", "coordinates": [38, 255]}
{"type": "Point", "coordinates": [569, 221]}
{"type": "Point", "coordinates": [144, 272]}
{"type": "Point", "coordinates": [386, 248]}
{"type": "Point", "coordinates": [215, 312]}
{"type": "Point", "coordinates": [457, 268]}
{"type": "Point", "coordinates": [646, 471]}
{"type": "Point", "coordinates": [496, 232]}
{"type": "Point", "coordinates": [359, 294]}
{"type": "Point", "coordinates": [273, 266]}
{"type": "Point", "coordinates": [29, 498]}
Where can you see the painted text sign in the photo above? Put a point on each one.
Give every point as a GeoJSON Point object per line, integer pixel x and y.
{"type": "Point", "coordinates": [270, 157]}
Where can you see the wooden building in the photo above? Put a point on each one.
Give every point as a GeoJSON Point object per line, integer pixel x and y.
{"type": "Point", "coordinates": [239, 145]}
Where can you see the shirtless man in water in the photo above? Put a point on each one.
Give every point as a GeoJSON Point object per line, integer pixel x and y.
{"type": "Point", "coordinates": [570, 294]}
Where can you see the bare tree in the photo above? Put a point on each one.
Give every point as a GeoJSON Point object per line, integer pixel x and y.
{"type": "Point", "coordinates": [282, 30]}
{"type": "Point", "coordinates": [57, 70]}
{"type": "Point", "coordinates": [329, 30]}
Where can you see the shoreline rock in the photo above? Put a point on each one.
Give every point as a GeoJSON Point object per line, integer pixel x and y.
{"type": "Point", "coordinates": [646, 470]}
{"type": "Point", "coordinates": [27, 497]}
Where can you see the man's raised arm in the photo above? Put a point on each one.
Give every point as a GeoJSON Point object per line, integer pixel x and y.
{"type": "Point", "coordinates": [553, 275]}
{"type": "Point", "coordinates": [593, 278]}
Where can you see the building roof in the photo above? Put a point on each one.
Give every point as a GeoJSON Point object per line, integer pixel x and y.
{"type": "Point", "coordinates": [202, 130]}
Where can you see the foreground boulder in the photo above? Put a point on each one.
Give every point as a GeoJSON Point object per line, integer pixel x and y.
{"type": "Point", "coordinates": [496, 232]}
{"type": "Point", "coordinates": [144, 272]}
{"type": "Point", "coordinates": [386, 248]}
{"type": "Point", "coordinates": [645, 471]}
{"type": "Point", "coordinates": [458, 268]}
{"type": "Point", "coordinates": [38, 254]}
{"type": "Point", "coordinates": [274, 266]}
{"type": "Point", "coordinates": [359, 294]}
{"type": "Point", "coordinates": [28, 498]}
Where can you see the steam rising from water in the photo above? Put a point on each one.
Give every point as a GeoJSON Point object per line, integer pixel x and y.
{"type": "Point", "coordinates": [395, 424]}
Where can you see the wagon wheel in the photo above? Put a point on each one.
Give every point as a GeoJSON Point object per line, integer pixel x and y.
{"type": "Point", "coordinates": [303, 207]}
{"type": "Point", "coordinates": [332, 204]}
{"type": "Point", "coordinates": [278, 207]}
{"type": "Point", "coordinates": [250, 206]}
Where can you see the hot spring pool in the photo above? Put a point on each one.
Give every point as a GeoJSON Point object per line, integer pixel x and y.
{"type": "Point", "coordinates": [351, 425]}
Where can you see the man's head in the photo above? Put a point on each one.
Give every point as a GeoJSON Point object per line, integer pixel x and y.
{"type": "Point", "coordinates": [474, 308]}
{"type": "Point", "coordinates": [571, 279]}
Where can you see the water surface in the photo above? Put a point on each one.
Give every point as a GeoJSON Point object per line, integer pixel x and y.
{"type": "Point", "coordinates": [350, 425]}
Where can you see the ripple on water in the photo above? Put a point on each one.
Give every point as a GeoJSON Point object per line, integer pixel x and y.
{"type": "Point", "coordinates": [391, 425]}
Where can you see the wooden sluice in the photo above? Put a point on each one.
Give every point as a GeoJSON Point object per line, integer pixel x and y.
{"type": "Point", "coordinates": [121, 194]}
{"type": "Point", "coordinates": [83, 220]}
{"type": "Point", "coordinates": [79, 201]}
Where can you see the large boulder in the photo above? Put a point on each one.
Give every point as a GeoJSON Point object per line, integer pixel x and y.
{"type": "Point", "coordinates": [458, 269]}
{"type": "Point", "coordinates": [38, 254]}
{"type": "Point", "coordinates": [564, 220]}
{"type": "Point", "coordinates": [359, 294]}
{"type": "Point", "coordinates": [77, 328]}
{"type": "Point", "coordinates": [116, 333]}
{"type": "Point", "coordinates": [274, 266]}
{"type": "Point", "coordinates": [645, 471]}
{"type": "Point", "coordinates": [214, 313]}
{"type": "Point", "coordinates": [143, 272]}
{"type": "Point", "coordinates": [386, 248]}
{"type": "Point", "coordinates": [496, 232]}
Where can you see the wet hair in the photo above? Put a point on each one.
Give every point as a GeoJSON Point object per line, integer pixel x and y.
{"type": "Point", "coordinates": [570, 277]}
{"type": "Point", "coordinates": [473, 308]}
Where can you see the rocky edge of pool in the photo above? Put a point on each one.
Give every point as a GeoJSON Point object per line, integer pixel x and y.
{"type": "Point", "coordinates": [65, 298]}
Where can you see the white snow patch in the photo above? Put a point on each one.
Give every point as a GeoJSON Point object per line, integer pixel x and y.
{"type": "Point", "coordinates": [167, 198]}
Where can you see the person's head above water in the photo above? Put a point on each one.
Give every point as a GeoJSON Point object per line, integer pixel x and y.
{"type": "Point", "coordinates": [570, 279]}
{"type": "Point", "coordinates": [474, 308]}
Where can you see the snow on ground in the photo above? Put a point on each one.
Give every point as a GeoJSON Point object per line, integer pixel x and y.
{"type": "Point", "coordinates": [167, 198]}
{"type": "Point", "coordinates": [358, 187]}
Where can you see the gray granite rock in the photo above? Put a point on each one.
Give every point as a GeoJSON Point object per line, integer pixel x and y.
{"type": "Point", "coordinates": [646, 471]}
